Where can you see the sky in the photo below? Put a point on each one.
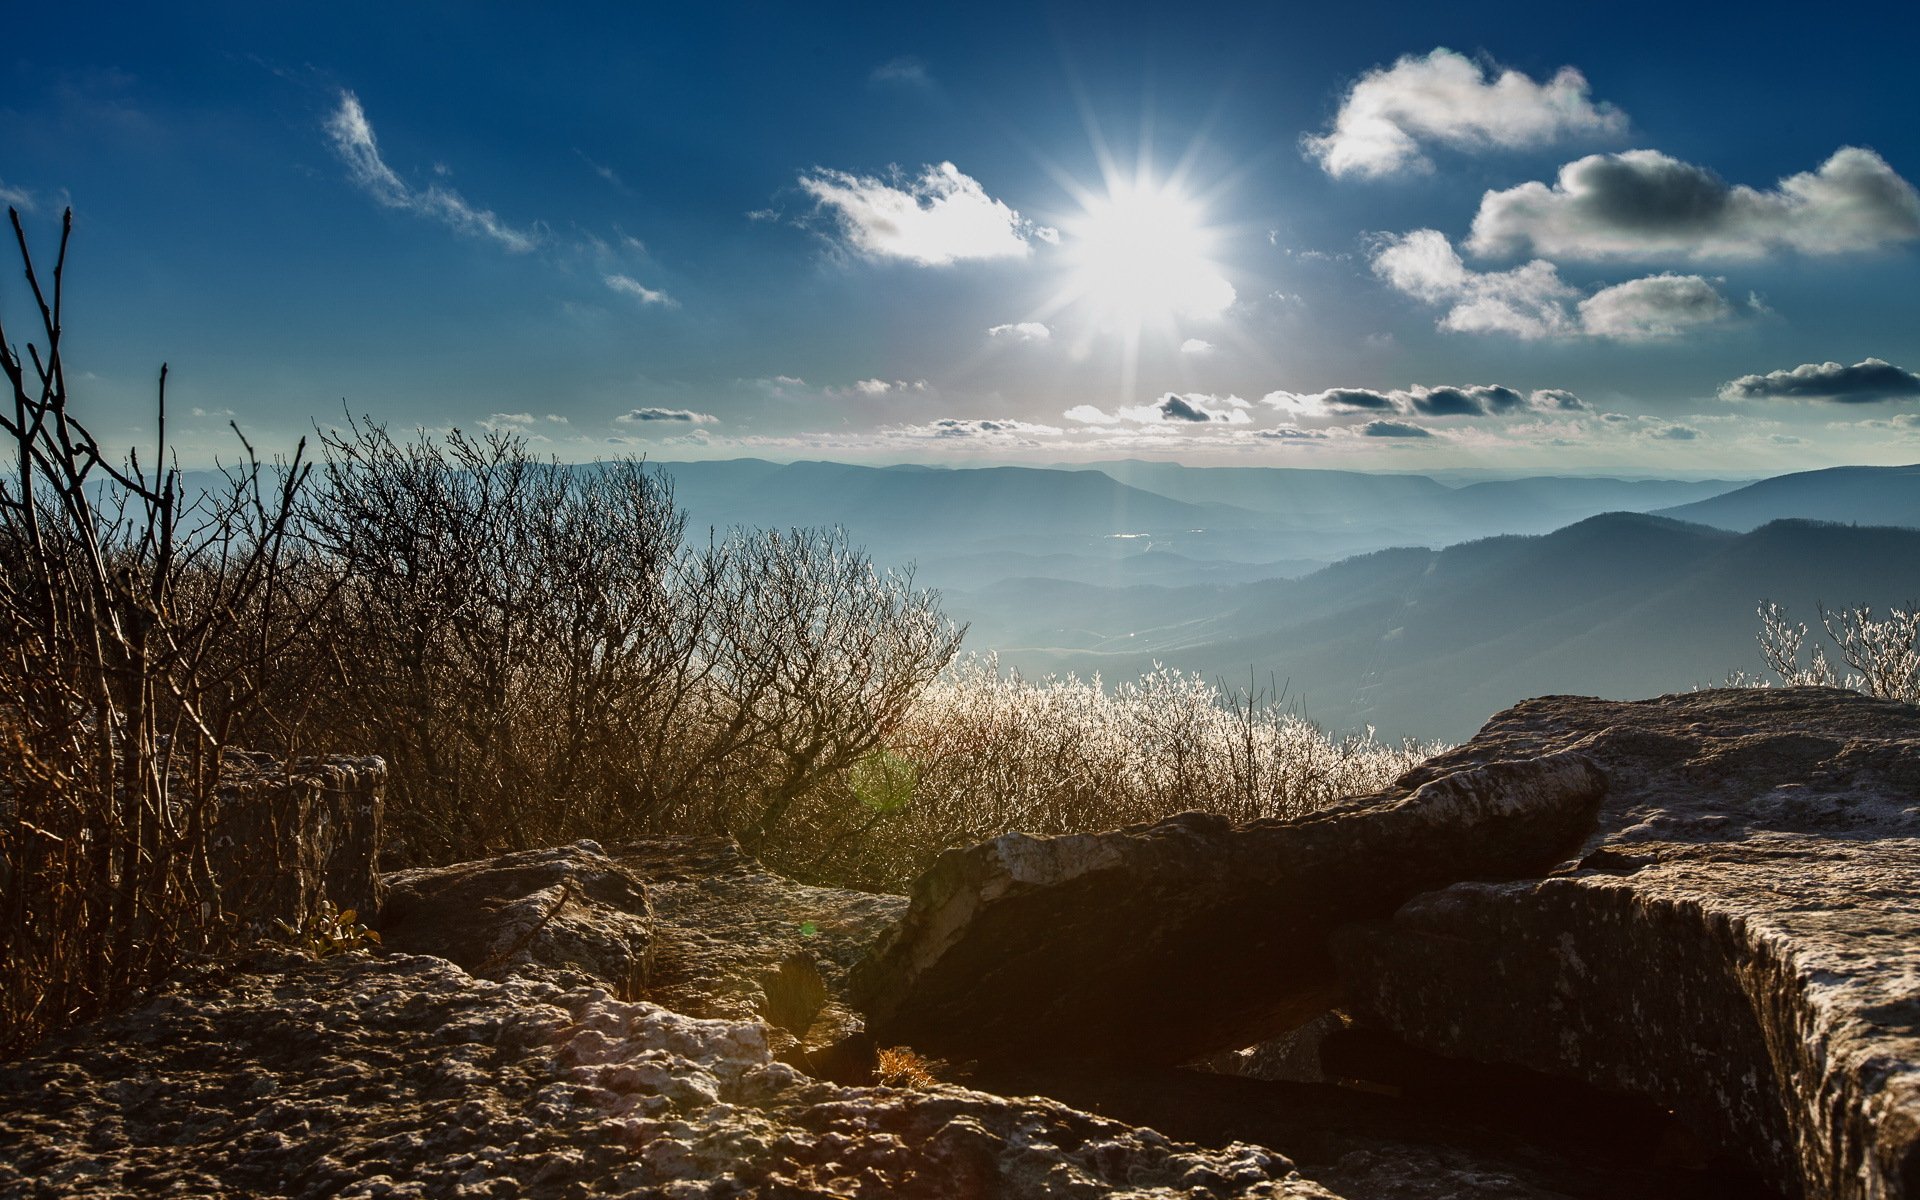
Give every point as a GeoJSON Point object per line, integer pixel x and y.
{"type": "Point", "coordinates": [1661, 239]}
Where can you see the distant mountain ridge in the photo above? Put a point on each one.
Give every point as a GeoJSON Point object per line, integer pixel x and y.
{"type": "Point", "coordinates": [1848, 495]}
{"type": "Point", "coordinates": [1429, 643]}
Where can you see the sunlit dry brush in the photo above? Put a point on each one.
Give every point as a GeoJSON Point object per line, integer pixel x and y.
{"type": "Point", "coordinates": [985, 752]}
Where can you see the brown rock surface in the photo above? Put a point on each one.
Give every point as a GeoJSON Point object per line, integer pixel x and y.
{"type": "Point", "coordinates": [405, 1076]}
{"type": "Point", "coordinates": [1162, 942]}
{"type": "Point", "coordinates": [570, 914]}
{"type": "Point", "coordinates": [1741, 942]}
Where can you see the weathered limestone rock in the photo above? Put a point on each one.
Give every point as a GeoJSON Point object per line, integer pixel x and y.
{"type": "Point", "coordinates": [567, 914]}
{"type": "Point", "coordinates": [287, 836]}
{"type": "Point", "coordinates": [405, 1076]}
{"type": "Point", "coordinates": [1741, 942]}
{"type": "Point", "coordinates": [723, 923]}
{"type": "Point", "coordinates": [1162, 942]}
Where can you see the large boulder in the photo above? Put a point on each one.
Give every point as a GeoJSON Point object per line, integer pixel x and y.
{"type": "Point", "coordinates": [1741, 942]}
{"type": "Point", "coordinates": [1162, 942]}
{"type": "Point", "coordinates": [567, 914]}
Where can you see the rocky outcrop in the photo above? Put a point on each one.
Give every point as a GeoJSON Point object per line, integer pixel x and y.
{"type": "Point", "coordinates": [724, 925]}
{"type": "Point", "coordinates": [1740, 941]}
{"type": "Point", "coordinates": [405, 1076]}
{"type": "Point", "coordinates": [1162, 942]}
{"type": "Point", "coordinates": [570, 914]}
{"type": "Point", "coordinates": [287, 836]}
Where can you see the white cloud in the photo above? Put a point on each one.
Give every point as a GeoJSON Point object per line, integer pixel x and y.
{"type": "Point", "coordinates": [1448, 98]}
{"type": "Point", "coordinates": [503, 418]}
{"type": "Point", "coordinates": [1645, 204]}
{"type": "Point", "coordinates": [995, 429]}
{"type": "Point", "coordinates": [1173, 409]}
{"type": "Point", "coordinates": [1529, 301]}
{"type": "Point", "coordinates": [883, 387]}
{"type": "Point", "coordinates": [1024, 331]}
{"type": "Point", "coordinates": [1533, 301]}
{"type": "Point", "coordinates": [14, 197]}
{"type": "Point", "coordinates": [1196, 346]}
{"type": "Point", "coordinates": [629, 286]}
{"type": "Point", "coordinates": [353, 141]}
{"type": "Point", "coordinates": [675, 416]}
{"type": "Point", "coordinates": [905, 71]}
{"type": "Point", "coordinates": [1659, 306]}
{"type": "Point", "coordinates": [939, 218]}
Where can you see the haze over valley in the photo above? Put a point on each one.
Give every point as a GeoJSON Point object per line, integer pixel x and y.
{"type": "Point", "coordinates": [1394, 601]}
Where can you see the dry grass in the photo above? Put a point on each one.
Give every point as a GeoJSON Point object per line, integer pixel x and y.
{"type": "Point", "coordinates": [985, 752]}
{"type": "Point", "coordinates": [900, 1067]}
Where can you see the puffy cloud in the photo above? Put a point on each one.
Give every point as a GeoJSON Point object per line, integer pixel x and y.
{"type": "Point", "coordinates": [1393, 429]}
{"type": "Point", "coordinates": [644, 416]}
{"type": "Point", "coordinates": [1556, 400]}
{"type": "Point", "coordinates": [1529, 301]}
{"type": "Point", "coordinates": [940, 217]}
{"type": "Point", "coordinates": [1448, 98]}
{"type": "Point", "coordinates": [1196, 346]}
{"type": "Point", "coordinates": [1658, 306]}
{"type": "Point", "coordinates": [1194, 408]}
{"type": "Point", "coordinates": [1869, 381]}
{"type": "Point", "coordinates": [1674, 433]}
{"type": "Point", "coordinates": [354, 142]}
{"type": "Point", "coordinates": [1024, 331]}
{"type": "Point", "coordinates": [1645, 204]}
{"type": "Point", "coordinates": [1532, 301]}
{"type": "Point", "coordinates": [627, 285]}
{"type": "Point", "coordinates": [1290, 433]}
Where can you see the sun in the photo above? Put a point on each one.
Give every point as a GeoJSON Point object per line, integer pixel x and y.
{"type": "Point", "coordinates": [1140, 257]}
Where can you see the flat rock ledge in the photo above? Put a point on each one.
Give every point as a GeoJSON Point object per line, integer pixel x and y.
{"type": "Point", "coordinates": [406, 1076]}
{"type": "Point", "coordinates": [1740, 943]}
{"type": "Point", "coordinates": [1164, 942]}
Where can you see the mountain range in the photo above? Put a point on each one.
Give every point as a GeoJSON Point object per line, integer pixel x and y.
{"type": "Point", "coordinates": [1396, 601]}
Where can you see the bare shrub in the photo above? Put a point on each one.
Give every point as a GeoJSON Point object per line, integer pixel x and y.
{"type": "Point", "coordinates": [984, 753]}
{"type": "Point", "coordinates": [1883, 653]}
{"type": "Point", "coordinates": [539, 657]}
{"type": "Point", "coordinates": [120, 685]}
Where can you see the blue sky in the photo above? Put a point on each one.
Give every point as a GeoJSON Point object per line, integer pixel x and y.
{"type": "Point", "coordinates": [1640, 237]}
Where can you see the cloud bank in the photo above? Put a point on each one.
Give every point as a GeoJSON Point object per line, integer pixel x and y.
{"type": "Point", "coordinates": [1448, 98]}
{"type": "Point", "coordinates": [682, 416]}
{"type": "Point", "coordinates": [1475, 400]}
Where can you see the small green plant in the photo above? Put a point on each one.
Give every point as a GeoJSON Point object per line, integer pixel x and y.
{"type": "Point", "coordinates": [883, 780]}
{"type": "Point", "coordinates": [328, 931]}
